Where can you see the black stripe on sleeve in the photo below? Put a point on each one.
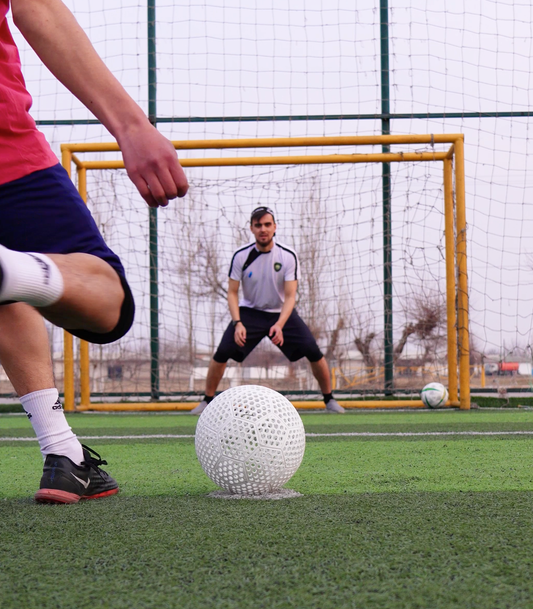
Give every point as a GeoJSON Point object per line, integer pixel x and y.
{"type": "Point", "coordinates": [253, 255]}
{"type": "Point", "coordinates": [235, 254]}
{"type": "Point", "coordinates": [286, 249]}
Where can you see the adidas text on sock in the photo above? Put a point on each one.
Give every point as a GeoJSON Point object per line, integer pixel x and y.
{"type": "Point", "coordinates": [29, 277]}
{"type": "Point", "coordinates": [51, 427]}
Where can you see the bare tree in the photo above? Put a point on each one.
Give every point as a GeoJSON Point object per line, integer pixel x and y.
{"type": "Point", "coordinates": [310, 246]}
{"type": "Point", "coordinates": [477, 355]}
{"type": "Point", "coordinates": [333, 344]}
{"type": "Point", "coordinates": [407, 331]}
{"type": "Point", "coordinates": [213, 276]}
{"type": "Point", "coordinates": [212, 270]}
{"type": "Point", "coordinates": [175, 356]}
{"type": "Point", "coordinates": [181, 269]}
{"type": "Point", "coordinates": [426, 319]}
{"type": "Point", "coordinates": [365, 336]}
{"type": "Point", "coordinates": [364, 346]}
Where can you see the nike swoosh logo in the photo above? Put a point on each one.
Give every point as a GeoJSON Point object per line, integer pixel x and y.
{"type": "Point", "coordinates": [82, 482]}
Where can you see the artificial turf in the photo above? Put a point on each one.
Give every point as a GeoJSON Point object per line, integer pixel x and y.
{"type": "Point", "coordinates": [431, 521]}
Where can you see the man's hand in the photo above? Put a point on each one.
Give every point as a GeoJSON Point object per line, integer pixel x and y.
{"type": "Point", "coordinates": [240, 334]}
{"type": "Point", "coordinates": [152, 165]}
{"type": "Point", "coordinates": [276, 334]}
{"type": "Point", "coordinates": [57, 38]}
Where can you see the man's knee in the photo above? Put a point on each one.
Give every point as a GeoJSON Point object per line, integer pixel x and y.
{"type": "Point", "coordinates": [312, 352]}
{"type": "Point", "coordinates": [222, 356]}
{"type": "Point", "coordinates": [315, 357]}
{"type": "Point", "coordinates": [119, 328]}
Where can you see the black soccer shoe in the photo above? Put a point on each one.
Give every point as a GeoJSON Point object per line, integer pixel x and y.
{"type": "Point", "coordinates": [101, 484]}
{"type": "Point", "coordinates": [65, 482]}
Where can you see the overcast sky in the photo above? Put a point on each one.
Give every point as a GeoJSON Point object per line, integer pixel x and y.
{"type": "Point", "coordinates": [225, 58]}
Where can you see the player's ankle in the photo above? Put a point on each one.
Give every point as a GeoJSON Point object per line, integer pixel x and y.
{"type": "Point", "coordinates": [208, 398]}
{"type": "Point", "coordinates": [53, 432]}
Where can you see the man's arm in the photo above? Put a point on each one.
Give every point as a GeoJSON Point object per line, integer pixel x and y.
{"type": "Point", "coordinates": [276, 331]}
{"type": "Point", "coordinates": [57, 38]}
{"type": "Point", "coordinates": [233, 303]}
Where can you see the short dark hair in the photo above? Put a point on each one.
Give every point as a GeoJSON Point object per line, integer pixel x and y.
{"type": "Point", "coordinates": [259, 212]}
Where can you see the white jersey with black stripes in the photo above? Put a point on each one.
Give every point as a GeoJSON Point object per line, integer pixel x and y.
{"type": "Point", "coordinates": [263, 275]}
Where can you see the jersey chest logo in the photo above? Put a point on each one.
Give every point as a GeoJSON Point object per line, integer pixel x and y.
{"type": "Point", "coordinates": [277, 266]}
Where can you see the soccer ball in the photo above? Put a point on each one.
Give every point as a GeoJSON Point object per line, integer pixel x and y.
{"type": "Point", "coordinates": [250, 440]}
{"type": "Point", "coordinates": [434, 395]}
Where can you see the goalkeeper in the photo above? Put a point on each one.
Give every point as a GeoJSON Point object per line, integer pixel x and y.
{"type": "Point", "coordinates": [53, 261]}
{"type": "Point", "coordinates": [269, 274]}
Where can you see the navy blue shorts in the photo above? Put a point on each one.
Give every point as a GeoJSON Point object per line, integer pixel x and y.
{"type": "Point", "coordinates": [298, 341]}
{"type": "Point", "coordinates": [43, 212]}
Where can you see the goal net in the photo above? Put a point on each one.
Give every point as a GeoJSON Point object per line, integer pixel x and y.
{"type": "Point", "coordinates": [332, 214]}
{"type": "Point", "coordinates": [242, 70]}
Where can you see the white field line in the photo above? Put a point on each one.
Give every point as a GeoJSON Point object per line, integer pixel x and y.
{"type": "Point", "coordinates": [139, 437]}
{"type": "Point", "coordinates": [354, 434]}
{"type": "Point", "coordinates": [399, 434]}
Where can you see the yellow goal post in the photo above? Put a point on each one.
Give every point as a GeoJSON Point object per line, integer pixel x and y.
{"type": "Point", "coordinates": [457, 307]}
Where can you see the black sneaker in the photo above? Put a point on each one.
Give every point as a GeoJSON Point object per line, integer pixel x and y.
{"type": "Point", "coordinates": [65, 482]}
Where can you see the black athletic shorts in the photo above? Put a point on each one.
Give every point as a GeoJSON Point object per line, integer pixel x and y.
{"type": "Point", "coordinates": [43, 212]}
{"type": "Point", "coordinates": [298, 341]}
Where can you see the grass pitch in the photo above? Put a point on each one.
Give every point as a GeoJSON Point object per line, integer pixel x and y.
{"type": "Point", "coordinates": [385, 521]}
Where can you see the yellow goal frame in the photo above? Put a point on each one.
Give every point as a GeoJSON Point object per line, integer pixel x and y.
{"type": "Point", "coordinates": [455, 245]}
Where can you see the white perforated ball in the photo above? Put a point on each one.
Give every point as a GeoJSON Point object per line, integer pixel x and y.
{"type": "Point", "coordinates": [434, 395]}
{"type": "Point", "coordinates": [250, 440]}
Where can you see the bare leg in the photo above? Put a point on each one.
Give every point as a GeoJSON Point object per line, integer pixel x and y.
{"type": "Point", "coordinates": [25, 356]}
{"type": "Point", "coordinates": [24, 348]}
{"type": "Point", "coordinates": [73, 291]}
{"type": "Point", "coordinates": [215, 373]}
{"type": "Point", "coordinates": [92, 296]}
{"type": "Point", "coordinates": [321, 373]}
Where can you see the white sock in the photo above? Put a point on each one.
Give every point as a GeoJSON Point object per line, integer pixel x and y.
{"type": "Point", "coordinates": [53, 432]}
{"type": "Point", "coordinates": [29, 277]}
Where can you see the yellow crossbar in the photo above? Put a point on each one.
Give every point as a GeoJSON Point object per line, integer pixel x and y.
{"type": "Point", "coordinates": [285, 142]}
{"type": "Point", "coordinates": [458, 339]}
{"type": "Point", "coordinates": [299, 405]}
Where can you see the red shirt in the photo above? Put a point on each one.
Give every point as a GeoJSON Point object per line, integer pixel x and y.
{"type": "Point", "coordinates": [23, 149]}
